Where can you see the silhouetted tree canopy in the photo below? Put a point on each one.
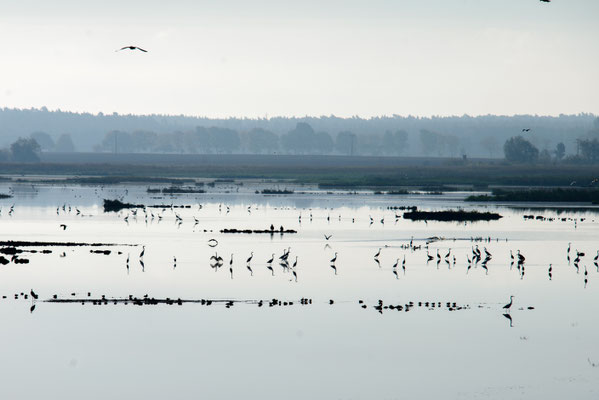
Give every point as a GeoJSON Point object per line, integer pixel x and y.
{"type": "Point", "coordinates": [518, 149]}
{"type": "Point", "coordinates": [44, 140]}
{"type": "Point", "coordinates": [300, 140]}
{"type": "Point", "coordinates": [395, 143]}
{"type": "Point", "coordinates": [589, 149]}
{"type": "Point", "coordinates": [88, 131]}
{"type": "Point", "coordinates": [323, 143]}
{"type": "Point", "coordinates": [345, 142]}
{"type": "Point", "coordinates": [560, 151]}
{"type": "Point", "coordinates": [261, 141]}
{"type": "Point", "coordinates": [430, 141]}
{"type": "Point", "coordinates": [64, 144]}
{"type": "Point", "coordinates": [25, 150]}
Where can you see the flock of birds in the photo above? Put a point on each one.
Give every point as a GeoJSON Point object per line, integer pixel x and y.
{"type": "Point", "coordinates": [478, 256]}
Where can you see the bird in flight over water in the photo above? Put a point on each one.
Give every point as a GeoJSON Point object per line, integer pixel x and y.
{"type": "Point", "coordinates": [132, 48]}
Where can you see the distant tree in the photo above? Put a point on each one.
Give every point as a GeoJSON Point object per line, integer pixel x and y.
{"type": "Point", "coordinates": [45, 141]}
{"type": "Point", "coordinates": [299, 140]}
{"type": "Point", "coordinates": [518, 149]}
{"type": "Point", "coordinates": [261, 141]}
{"type": "Point", "coordinates": [143, 141]}
{"type": "Point", "coordinates": [490, 144]}
{"type": "Point", "coordinates": [430, 142]}
{"type": "Point", "coordinates": [4, 155]}
{"type": "Point", "coordinates": [25, 150]}
{"type": "Point", "coordinates": [323, 143]}
{"type": "Point", "coordinates": [224, 140]}
{"type": "Point", "coordinates": [560, 150]}
{"type": "Point", "coordinates": [545, 156]}
{"type": "Point", "coordinates": [589, 149]}
{"type": "Point", "coordinates": [395, 143]}
{"type": "Point", "coordinates": [450, 144]}
{"type": "Point", "coordinates": [346, 142]}
{"type": "Point", "coordinates": [116, 142]}
{"type": "Point", "coordinates": [64, 144]}
{"type": "Point", "coordinates": [204, 139]}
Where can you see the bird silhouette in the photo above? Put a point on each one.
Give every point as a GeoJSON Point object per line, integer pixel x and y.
{"type": "Point", "coordinates": [334, 258]}
{"type": "Point", "coordinates": [327, 237]}
{"type": "Point", "coordinates": [63, 226]}
{"type": "Point", "coordinates": [508, 306]}
{"type": "Point", "coordinates": [132, 48]}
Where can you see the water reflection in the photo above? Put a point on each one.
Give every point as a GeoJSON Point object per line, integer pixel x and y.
{"type": "Point", "coordinates": [368, 289]}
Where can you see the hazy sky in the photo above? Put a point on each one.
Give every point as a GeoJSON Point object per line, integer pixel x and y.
{"type": "Point", "coordinates": [282, 57]}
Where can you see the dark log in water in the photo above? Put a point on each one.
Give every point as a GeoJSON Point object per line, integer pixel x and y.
{"type": "Point", "coordinates": [451, 215]}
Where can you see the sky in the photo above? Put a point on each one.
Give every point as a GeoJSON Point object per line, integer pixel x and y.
{"type": "Point", "coordinates": [264, 58]}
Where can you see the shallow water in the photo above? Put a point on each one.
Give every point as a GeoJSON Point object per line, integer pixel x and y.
{"type": "Point", "coordinates": [318, 350]}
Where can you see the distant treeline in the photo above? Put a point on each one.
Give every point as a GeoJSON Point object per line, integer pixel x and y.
{"type": "Point", "coordinates": [482, 136]}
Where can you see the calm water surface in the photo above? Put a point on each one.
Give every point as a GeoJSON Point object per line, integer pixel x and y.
{"type": "Point", "coordinates": [319, 350]}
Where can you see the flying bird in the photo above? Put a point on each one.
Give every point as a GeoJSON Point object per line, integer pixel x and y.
{"type": "Point", "coordinates": [132, 48]}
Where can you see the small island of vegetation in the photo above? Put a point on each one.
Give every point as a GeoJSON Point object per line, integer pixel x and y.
{"type": "Point", "coordinates": [451, 215]}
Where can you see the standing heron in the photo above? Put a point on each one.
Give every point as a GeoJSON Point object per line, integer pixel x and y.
{"type": "Point", "coordinates": [508, 306]}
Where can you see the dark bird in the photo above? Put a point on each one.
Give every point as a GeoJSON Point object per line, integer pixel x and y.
{"type": "Point", "coordinates": [528, 129]}
{"type": "Point", "coordinates": [63, 226]}
{"type": "Point", "coordinates": [378, 253]}
{"type": "Point", "coordinates": [250, 269]}
{"type": "Point", "coordinates": [32, 308]}
{"type": "Point", "coordinates": [34, 295]}
{"type": "Point", "coordinates": [132, 48]}
{"type": "Point", "coordinates": [334, 258]}
{"type": "Point", "coordinates": [509, 305]}
{"type": "Point", "coordinates": [327, 237]}
{"type": "Point", "coordinates": [250, 257]}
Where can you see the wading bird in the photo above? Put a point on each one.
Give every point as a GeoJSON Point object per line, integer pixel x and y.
{"type": "Point", "coordinates": [508, 306]}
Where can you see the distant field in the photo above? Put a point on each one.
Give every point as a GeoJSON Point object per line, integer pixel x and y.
{"type": "Point", "coordinates": [327, 171]}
